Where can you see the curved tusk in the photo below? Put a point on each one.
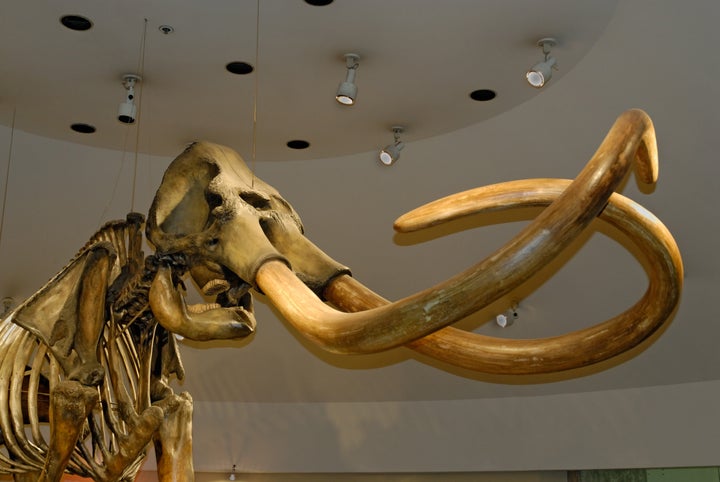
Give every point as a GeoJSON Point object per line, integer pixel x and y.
{"type": "Point", "coordinates": [573, 350]}
{"type": "Point", "coordinates": [387, 326]}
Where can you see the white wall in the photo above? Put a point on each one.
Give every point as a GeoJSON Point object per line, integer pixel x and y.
{"type": "Point", "coordinates": [667, 426]}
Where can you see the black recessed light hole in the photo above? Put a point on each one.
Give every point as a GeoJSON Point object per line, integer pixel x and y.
{"type": "Point", "coordinates": [318, 3]}
{"type": "Point", "coordinates": [482, 95]}
{"type": "Point", "coordinates": [239, 68]}
{"type": "Point", "coordinates": [76, 22]}
{"type": "Point", "coordinates": [83, 128]}
{"type": "Point", "coordinates": [298, 144]}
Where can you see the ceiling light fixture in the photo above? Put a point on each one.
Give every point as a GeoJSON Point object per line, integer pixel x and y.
{"type": "Point", "coordinates": [239, 68]}
{"type": "Point", "coordinates": [391, 153]}
{"type": "Point", "coordinates": [76, 22]}
{"type": "Point", "coordinates": [541, 72]}
{"type": "Point", "coordinates": [83, 128]}
{"type": "Point", "coordinates": [232, 473]}
{"type": "Point", "coordinates": [482, 95]}
{"type": "Point", "coordinates": [508, 317]}
{"type": "Point", "coordinates": [298, 144]}
{"type": "Point", "coordinates": [127, 111]}
{"type": "Point", "coordinates": [347, 91]}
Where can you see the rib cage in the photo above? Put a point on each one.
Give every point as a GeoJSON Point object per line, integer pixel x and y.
{"type": "Point", "coordinates": [29, 370]}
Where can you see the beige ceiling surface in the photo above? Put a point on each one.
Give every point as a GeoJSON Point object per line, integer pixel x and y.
{"type": "Point", "coordinates": [419, 61]}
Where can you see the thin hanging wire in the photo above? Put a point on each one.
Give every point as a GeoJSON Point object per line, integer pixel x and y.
{"type": "Point", "coordinates": [255, 92]}
{"type": "Point", "coordinates": [116, 183]}
{"type": "Point", "coordinates": [141, 72]}
{"type": "Point", "coordinates": [7, 175]}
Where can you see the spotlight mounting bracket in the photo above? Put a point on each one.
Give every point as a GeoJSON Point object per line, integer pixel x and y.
{"type": "Point", "coordinates": [130, 79]}
{"type": "Point", "coordinates": [351, 60]}
{"type": "Point", "coordinates": [547, 43]}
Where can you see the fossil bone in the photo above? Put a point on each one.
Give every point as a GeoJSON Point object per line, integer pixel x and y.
{"type": "Point", "coordinates": [376, 325]}
{"type": "Point", "coordinates": [94, 350]}
{"type": "Point", "coordinates": [85, 354]}
{"type": "Point", "coordinates": [227, 204]}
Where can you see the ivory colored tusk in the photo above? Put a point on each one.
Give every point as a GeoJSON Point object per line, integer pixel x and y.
{"type": "Point", "coordinates": [387, 326]}
{"type": "Point", "coordinates": [572, 350]}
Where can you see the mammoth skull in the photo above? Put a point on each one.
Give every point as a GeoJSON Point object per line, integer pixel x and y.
{"type": "Point", "coordinates": [227, 223]}
{"type": "Point", "coordinates": [237, 232]}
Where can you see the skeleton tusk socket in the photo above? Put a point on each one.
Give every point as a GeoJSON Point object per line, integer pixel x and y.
{"type": "Point", "coordinates": [631, 137]}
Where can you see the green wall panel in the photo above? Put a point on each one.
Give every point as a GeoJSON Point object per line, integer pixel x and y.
{"type": "Point", "coordinates": [693, 474]}
{"type": "Point", "coordinates": [623, 475]}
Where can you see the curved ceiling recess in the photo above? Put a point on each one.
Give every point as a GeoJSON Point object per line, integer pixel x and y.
{"type": "Point", "coordinates": [421, 61]}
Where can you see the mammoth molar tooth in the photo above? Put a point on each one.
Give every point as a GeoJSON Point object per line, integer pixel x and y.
{"type": "Point", "coordinates": [215, 286]}
{"type": "Point", "coordinates": [202, 307]}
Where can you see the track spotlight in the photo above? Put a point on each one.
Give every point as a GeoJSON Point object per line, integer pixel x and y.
{"type": "Point", "coordinates": [347, 91]}
{"type": "Point", "coordinates": [541, 72]}
{"type": "Point", "coordinates": [127, 111]}
{"type": "Point", "coordinates": [391, 153]}
{"type": "Point", "coordinates": [508, 317]}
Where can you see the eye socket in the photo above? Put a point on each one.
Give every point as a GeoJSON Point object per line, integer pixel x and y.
{"type": "Point", "coordinates": [214, 200]}
{"type": "Point", "coordinates": [212, 243]}
{"type": "Point", "coordinates": [256, 200]}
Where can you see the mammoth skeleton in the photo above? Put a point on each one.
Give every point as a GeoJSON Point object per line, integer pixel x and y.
{"type": "Point", "coordinates": [98, 336]}
{"type": "Point", "coordinates": [85, 353]}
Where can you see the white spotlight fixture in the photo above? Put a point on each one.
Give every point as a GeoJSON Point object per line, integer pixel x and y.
{"type": "Point", "coordinates": [127, 111]}
{"type": "Point", "coordinates": [391, 153]}
{"type": "Point", "coordinates": [508, 317]}
{"type": "Point", "coordinates": [541, 72]}
{"type": "Point", "coordinates": [347, 91]}
{"type": "Point", "coordinates": [232, 473]}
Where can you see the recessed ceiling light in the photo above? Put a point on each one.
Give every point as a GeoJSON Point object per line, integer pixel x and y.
{"type": "Point", "coordinates": [239, 68]}
{"type": "Point", "coordinates": [318, 3]}
{"type": "Point", "coordinates": [83, 128]}
{"type": "Point", "coordinates": [76, 22]}
{"type": "Point", "coordinates": [482, 95]}
{"type": "Point", "coordinates": [298, 144]}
